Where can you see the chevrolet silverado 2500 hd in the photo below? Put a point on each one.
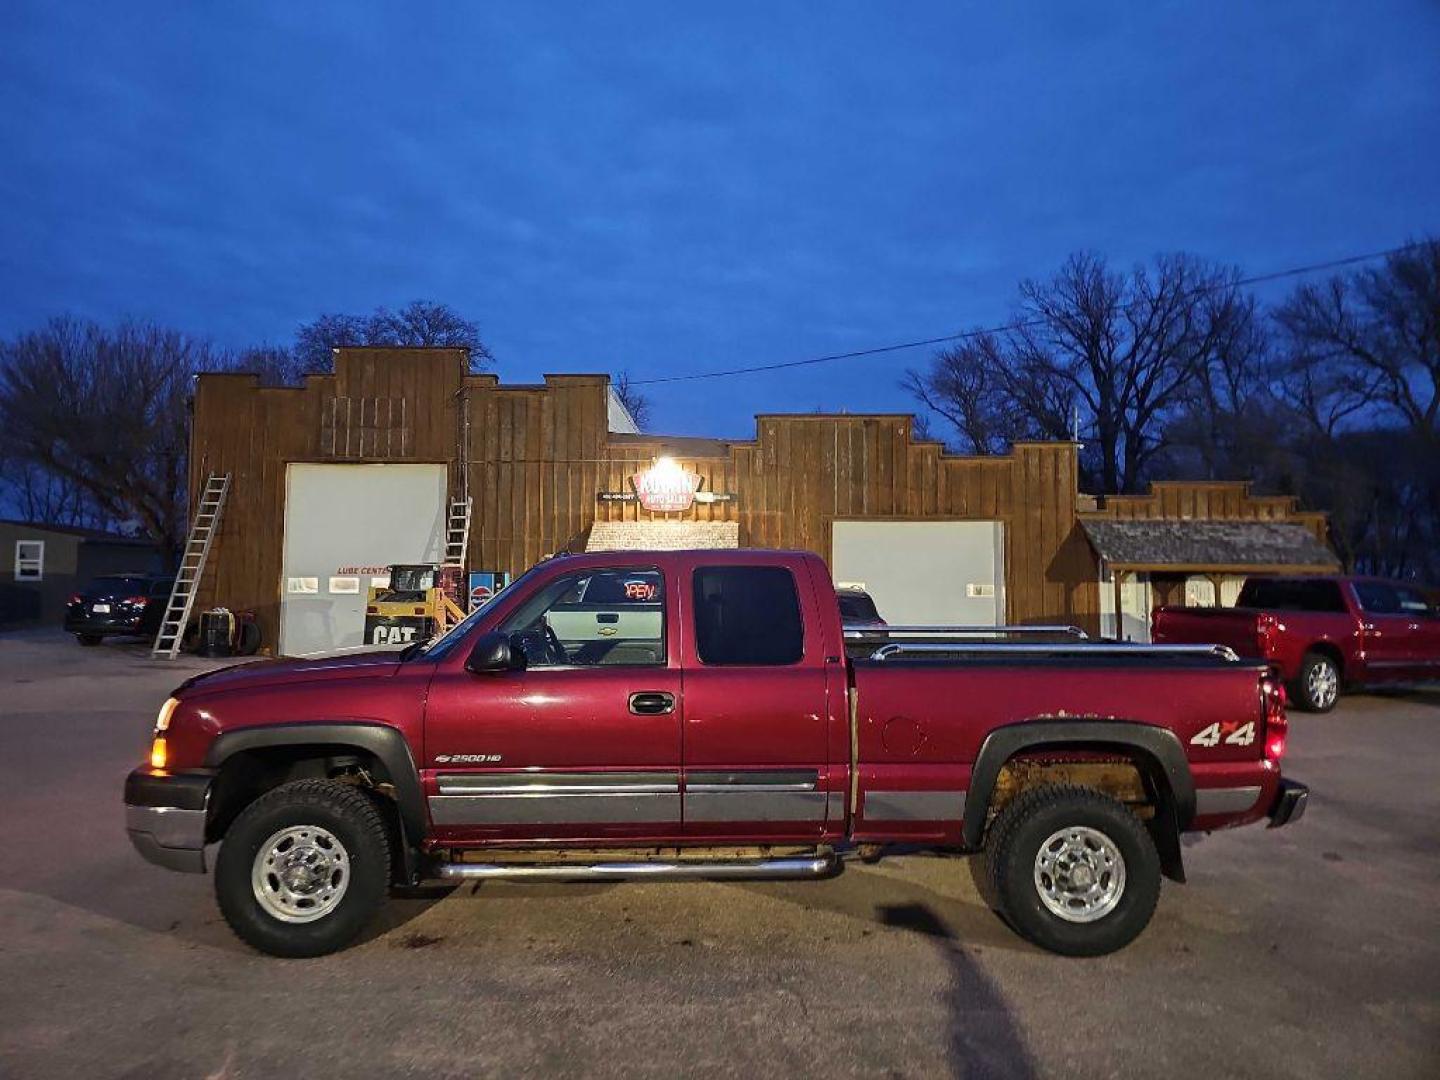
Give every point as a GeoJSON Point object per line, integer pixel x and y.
{"type": "Point", "coordinates": [693, 715]}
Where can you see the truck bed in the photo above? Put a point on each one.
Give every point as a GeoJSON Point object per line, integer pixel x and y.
{"type": "Point", "coordinates": [1238, 628]}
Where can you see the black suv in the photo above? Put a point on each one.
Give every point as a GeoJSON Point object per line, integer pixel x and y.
{"type": "Point", "coordinates": [119, 604]}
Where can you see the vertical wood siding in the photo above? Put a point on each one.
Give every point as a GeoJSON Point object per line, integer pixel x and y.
{"type": "Point", "coordinates": [538, 456]}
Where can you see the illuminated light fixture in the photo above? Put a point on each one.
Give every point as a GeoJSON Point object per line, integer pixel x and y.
{"type": "Point", "coordinates": [158, 753]}
{"type": "Point", "coordinates": [666, 486]}
{"type": "Point", "coordinates": [162, 722]}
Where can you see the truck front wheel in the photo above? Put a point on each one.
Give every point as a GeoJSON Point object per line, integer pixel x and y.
{"type": "Point", "coordinates": [304, 868]}
{"type": "Point", "coordinates": [1073, 871]}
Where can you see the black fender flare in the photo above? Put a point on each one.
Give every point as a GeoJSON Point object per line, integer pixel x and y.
{"type": "Point", "coordinates": [1160, 745]}
{"type": "Point", "coordinates": [386, 743]}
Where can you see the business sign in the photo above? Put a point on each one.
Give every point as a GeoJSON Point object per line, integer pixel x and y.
{"type": "Point", "coordinates": [666, 487]}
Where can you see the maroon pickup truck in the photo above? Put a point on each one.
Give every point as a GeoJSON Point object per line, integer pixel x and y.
{"type": "Point", "coordinates": [1322, 633]}
{"type": "Point", "coordinates": [693, 715]}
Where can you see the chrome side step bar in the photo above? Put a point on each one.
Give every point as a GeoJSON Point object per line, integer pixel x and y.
{"type": "Point", "coordinates": [815, 866]}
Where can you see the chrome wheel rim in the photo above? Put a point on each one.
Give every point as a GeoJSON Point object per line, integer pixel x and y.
{"type": "Point", "coordinates": [1323, 684]}
{"type": "Point", "coordinates": [300, 874]}
{"type": "Point", "coordinates": [1079, 874]}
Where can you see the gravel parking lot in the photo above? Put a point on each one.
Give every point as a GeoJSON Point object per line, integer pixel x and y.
{"type": "Point", "coordinates": [1303, 952]}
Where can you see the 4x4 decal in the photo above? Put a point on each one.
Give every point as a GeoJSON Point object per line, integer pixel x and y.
{"type": "Point", "coordinates": [1232, 734]}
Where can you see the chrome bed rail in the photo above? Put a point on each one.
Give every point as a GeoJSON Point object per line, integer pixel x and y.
{"type": "Point", "coordinates": [898, 649]}
{"type": "Point", "coordinates": [963, 631]}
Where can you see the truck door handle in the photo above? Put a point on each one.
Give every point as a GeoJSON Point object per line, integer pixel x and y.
{"type": "Point", "coordinates": [652, 703]}
{"type": "Point", "coordinates": [607, 617]}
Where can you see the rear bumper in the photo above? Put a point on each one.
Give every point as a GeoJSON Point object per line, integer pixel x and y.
{"type": "Point", "coordinates": [103, 626]}
{"type": "Point", "coordinates": [1289, 804]}
{"type": "Point", "coordinates": [165, 816]}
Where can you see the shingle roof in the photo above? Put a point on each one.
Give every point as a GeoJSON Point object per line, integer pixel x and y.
{"type": "Point", "coordinates": [1218, 544]}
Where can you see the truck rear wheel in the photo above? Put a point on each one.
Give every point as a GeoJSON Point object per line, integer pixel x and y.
{"type": "Point", "coordinates": [303, 868]}
{"type": "Point", "coordinates": [1318, 688]}
{"type": "Point", "coordinates": [1073, 871]}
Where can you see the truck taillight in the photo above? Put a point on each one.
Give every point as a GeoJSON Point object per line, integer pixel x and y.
{"type": "Point", "coordinates": [1277, 725]}
{"type": "Point", "coordinates": [136, 601]}
{"type": "Point", "coordinates": [75, 598]}
{"type": "Point", "coordinates": [1265, 626]}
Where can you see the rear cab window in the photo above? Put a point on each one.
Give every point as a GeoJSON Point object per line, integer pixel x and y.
{"type": "Point", "coordinates": [1292, 594]}
{"type": "Point", "coordinates": [1413, 601]}
{"type": "Point", "coordinates": [747, 616]}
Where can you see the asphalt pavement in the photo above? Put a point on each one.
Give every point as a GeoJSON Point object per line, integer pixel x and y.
{"type": "Point", "coordinates": [1311, 951]}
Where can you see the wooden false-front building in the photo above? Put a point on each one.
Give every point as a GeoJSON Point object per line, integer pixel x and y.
{"type": "Point", "coordinates": [333, 481]}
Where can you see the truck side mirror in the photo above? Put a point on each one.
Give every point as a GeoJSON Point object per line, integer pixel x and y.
{"type": "Point", "coordinates": [492, 654]}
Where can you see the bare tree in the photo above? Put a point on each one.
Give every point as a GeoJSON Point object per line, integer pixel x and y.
{"type": "Point", "coordinates": [418, 323]}
{"type": "Point", "coordinates": [1119, 351]}
{"type": "Point", "coordinates": [1361, 368]}
{"type": "Point", "coordinates": [32, 493]}
{"type": "Point", "coordinates": [970, 386]}
{"type": "Point", "coordinates": [275, 365]}
{"type": "Point", "coordinates": [1369, 344]}
{"type": "Point", "coordinates": [104, 412]}
{"type": "Point", "coordinates": [636, 403]}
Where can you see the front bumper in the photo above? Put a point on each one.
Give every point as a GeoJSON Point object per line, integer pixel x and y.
{"type": "Point", "coordinates": [165, 815]}
{"type": "Point", "coordinates": [1289, 804]}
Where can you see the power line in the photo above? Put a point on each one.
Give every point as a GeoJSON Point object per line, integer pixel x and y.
{"type": "Point", "coordinates": [1024, 324]}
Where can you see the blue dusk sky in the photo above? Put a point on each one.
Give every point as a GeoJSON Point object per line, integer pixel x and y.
{"type": "Point", "coordinates": [674, 188]}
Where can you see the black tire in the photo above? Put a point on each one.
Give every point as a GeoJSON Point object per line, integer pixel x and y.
{"type": "Point", "coordinates": [349, 816]}
{"type": "Point", "coordinates": [89, 640]}
{"type": "Point", "coordinates": [247, 639]}
{"type": "Point", "coordinates": [1011, 852]}
{"type": "Point", "coordinates": [1318, 688]}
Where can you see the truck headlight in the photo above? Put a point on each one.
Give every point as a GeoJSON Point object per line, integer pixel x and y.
{"type": "Point", "coordinates": [162, 722]}
{"type": "Point", "coordinates": [158, 750]}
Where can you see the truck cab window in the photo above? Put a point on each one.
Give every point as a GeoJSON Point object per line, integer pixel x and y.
{"type": "Point", "coordinates": [1292, 594]}
{"type": "Point", "coordinates": [747, 615]}
{"type": "Point", "coordinates": [1377, 598]}
{"type": "Point", "coordinates": [593, 618]}
{"type": "Point", "coordinates": [1413, 602]}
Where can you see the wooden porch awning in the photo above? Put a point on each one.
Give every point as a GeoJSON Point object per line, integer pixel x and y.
{"type": "Point", "coordinates": [1209, 547]}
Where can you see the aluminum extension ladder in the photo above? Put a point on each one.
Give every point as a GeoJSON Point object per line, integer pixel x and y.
{"type": "Point", "coordinates": [192, 565]}
{"type": "Point", "coordinates": [457, 533]}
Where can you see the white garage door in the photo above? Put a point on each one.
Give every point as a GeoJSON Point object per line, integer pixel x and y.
{"type": "Point", "coordinates": [343, 525]}
{"type": "Point", "coordinates": [933, 572]}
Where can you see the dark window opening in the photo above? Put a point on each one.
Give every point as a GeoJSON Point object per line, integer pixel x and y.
{"type": "Point", "coordinates": [1292, 594]}
{"type": "Point", "coordinates": [858, 606]}
{"type": "Point", "coordinates": [1377, 598]}
{"type": "Point", "coordinates": [747, 615]}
